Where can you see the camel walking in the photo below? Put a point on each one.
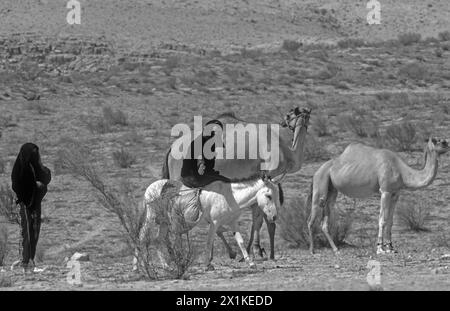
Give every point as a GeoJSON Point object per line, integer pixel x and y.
{"type": "Point", "coordinates": [292, 138]}
{"type": "Point", "coordinates": [214, 208]}
{"type": "Point", "coordinates": [361, 171]}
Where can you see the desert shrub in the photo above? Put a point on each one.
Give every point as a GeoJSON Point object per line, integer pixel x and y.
{"type": "Point", "coordinates": [442, 238]}
{"type": "Point", "coordinates": [122, 203]}
{"type": "Point", "coordinates": [444, 36]}
{"type": "Point", "coordinates": [115, 117]}
{"type": "Point", "coordinates": [3, 243]}
{"type": "Point", "coordinates": [170, 64]}
{"type": "Point", "coordinates": [350, 43]}
{"type": "Point", "coordinates": [401, 137]}
{"type": "Point", "coordinates": [415, 71]}
{"type": "Point", "coordinates": [123, 158]}
{"type": "Point", "coordinates": [8, 208]}
{"type": "Point", "coordinates": [314, 151]}
{"type": "Point", "coordinates": [409, 38]}
{"type": "Point", "coordinates": [5, 281]}
{"type": "Point", "coordinates": [320, 125]}
{"type": "Point", "coordinates": [40, 107]}
{"type": "Point", "coordinates": [360, 122]}
{"type": "Point", "coordinates": [413, 214]}
{"type": "Point", "coordinates": [2, 164]}
{"type": "Point", "coordinates": [294, 225]}
{"type": "Point", "coordinates": [291, 46]}
{"type": "Point", "coordinates": [132, 137]}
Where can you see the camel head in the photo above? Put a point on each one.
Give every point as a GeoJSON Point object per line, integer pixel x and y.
{"type": "Point", "coordinates": [268, 198]}
{"type": "Point", "coordinates": [296, 119]}
{"type": "Point", "coordinates": [440, 146]}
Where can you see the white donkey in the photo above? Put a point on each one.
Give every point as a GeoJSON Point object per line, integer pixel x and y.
{"type": "Point", "coordinates": [210, 206]}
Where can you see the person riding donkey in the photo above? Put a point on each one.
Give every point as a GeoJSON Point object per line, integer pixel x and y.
{"type": "Point", "coordinates": [198, 168]}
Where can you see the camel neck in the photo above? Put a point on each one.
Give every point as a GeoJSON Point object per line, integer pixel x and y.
{"type": "Point", "coordinates": [297, 150]}
{"type": "Point", "coordinates": [416, 179]}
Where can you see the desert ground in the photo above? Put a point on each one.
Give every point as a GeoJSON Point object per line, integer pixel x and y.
{"type": "Point", "coordinates": [160, 63]}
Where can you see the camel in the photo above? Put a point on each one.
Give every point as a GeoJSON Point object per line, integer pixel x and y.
{"type": "Point", "coordinates": [213, 207]}
{"type": "Point", "coordinates": [361, 171]}
{"type": "Point", "coordinates": [291, 159]}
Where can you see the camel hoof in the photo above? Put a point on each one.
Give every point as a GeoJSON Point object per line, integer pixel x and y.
{"type": "Point", "coordinates": [380, 251]}
{"type": "Point", "coordinates": [210, 267]}
{"type": "Point", "coordinates": [337, 253]}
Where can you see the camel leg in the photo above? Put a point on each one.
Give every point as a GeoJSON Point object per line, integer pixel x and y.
{"type": "Point", "coordinates": [388, 243]}
{"type": "Point", "coordinates": [385, 203]}
{"type": "Point", "coordinates": [230, 251]}
{"type": "Point", "coordinates": [240, 242]}
{"type": "Point", "coordinates": [210, 246]}
{"type": "Point", "coordinates": [318, 202]}
{"type": "Point", "coordinates": [271, 227]}
{"type": "Point", "coordinates": [257, 221]}
{"type": "Point", "coordinates": [331, 199]}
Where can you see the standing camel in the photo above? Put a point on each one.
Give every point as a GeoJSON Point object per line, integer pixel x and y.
{"type": "Point", "coordinates": [212, 207]}
{"type": "Point", "coordinates": [361, 171]}
{"type": "Point", "coordinates": [292, 138]}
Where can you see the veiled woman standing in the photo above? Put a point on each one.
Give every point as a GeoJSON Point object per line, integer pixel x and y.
{"type": "Point", "coordinates": [29, 181]}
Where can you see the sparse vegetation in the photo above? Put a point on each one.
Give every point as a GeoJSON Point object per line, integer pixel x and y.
{"type": "Point", "coordinates": [291, 46]}
{"type": "Point", "coordinates": [350, 43]}
{"type": "Point", "coordinates": [177, 250]}
{"type": "Point", "coordinates": [409, 38]}
{"type": "Point", "coordinates": [401, 137]}
{"type": "Point", "coordinates": [320, 125]}
{"type": "Point", "coordinates": [123, 158]}
{"type": "Point", "coordinates": [294, 225]}
{"type": "Point", "coordinates": [360, 122]}
{"type": "Point", "coordinates": [115, 116]}
{"type": "Point", "coordinates": [413, 213]}
{"type": "Point", "coordinates": [314, 151]}
{"type": "Point", "coordinates": [415, 71]}
{"type": "Point", "coordinates": [8, 207]}
{"type": "Point", "coordinates": [3, 243]}
{"type": "Point", "coordinates": [444, 36]}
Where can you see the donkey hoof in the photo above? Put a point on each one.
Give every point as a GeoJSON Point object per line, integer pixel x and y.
{"type": "Point", "coordinates": [210, 267]}
{"type": "Point", "coordinates": [233, 255]}
{"type": "Point", "coordinates": [337, 253]}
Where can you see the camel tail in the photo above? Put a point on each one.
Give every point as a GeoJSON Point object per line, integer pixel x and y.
{"type": "Point", "coordinates": [165, 169]}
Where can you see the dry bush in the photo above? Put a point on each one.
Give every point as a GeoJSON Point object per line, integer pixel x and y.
{"type": "Point", "coordinates": [97, 125]}
{"type": "Point", "coordinates": [360, 122]}
{"type": "Point", "coordinates": [6, 281]}
{"type": "Point", "coordinates": [314, 151]}
{"type": "Point", "coordinates": [444, 36]}
{"type": "Point", "coordinates": [442, 238]}
{"type": "Point", "coordinates": [8, 207]}
{"type": "Point", "coordinates": [39, 107]}
{"type": "Point", "coordinates": [413, 214]}
{"type": "Point", "coordinates": [115, 116]}
{"type": "Point", "coordinates": [291, 46]}
{"type": "Point", "coordinates": [2, 163]}
{"type": "Point", "coordinates": [401, 137]}
{"type": "Point", "coordinates": [415, 71]}
{"type": "Point", "coordinates": [123, 158]}
{"type": "Point", "coordinates": [409, 38]}
{"type": "Point", "coordinates": [350, 43]}
{"type": "Point", "coordinates": [3, 243]}
{"type": "Point", "coordinates": [122, 203]}
{"type": "Point", "coordinates": [320, 125]}
{"type": "Point", "coordinates": [294, 225]}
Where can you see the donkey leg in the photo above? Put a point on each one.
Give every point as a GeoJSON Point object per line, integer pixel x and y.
{"type": "Point", "coordinates": [257, 221]}
{"type": "Point", "coordinates": [271, 227]}
{"type": "Point", "coordinates": [210, 246]}
{"type": "Point", "coordinates": [230, 251]}
{"type": "Point", "coordinates": [240, 242]}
